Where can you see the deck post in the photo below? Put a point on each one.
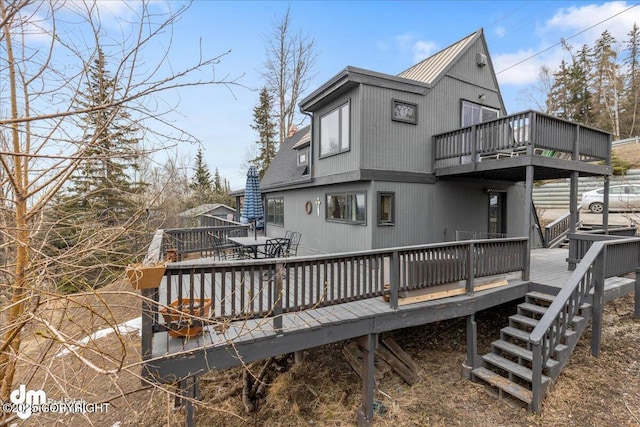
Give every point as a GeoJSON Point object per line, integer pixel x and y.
{"type": "Point", "coordinates": [472, 347]}
{"type": "Point", "coordinates": [277, 304]}
{"type": "Point", "coordinates": [636, 312]}
{"type": "Point", "coordinates": [149, 311]}
{"type": "Point", "coordinates": [596, 322]}
{"type": "Point", "coordinates": [605, 212]}
{"type": "Point", "coordinates": [471, 266]}
{"type": "Point", "coordinates": [189, 390]}
{"type": "Point", "coordinates": [573, 202]}
{"type": "Point", "coordinates": [528, 203]}
{"type": "Point", "coordinates": [367, 344]}
{"type": "Point", "coordinates": [394, 279]}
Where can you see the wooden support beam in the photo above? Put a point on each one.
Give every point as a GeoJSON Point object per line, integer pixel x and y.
{"type": "Point", "coordinates": [599, 276]}
{"type": "Point", "coordinates": [189, 390]}
{"type": "Point", "coordinates": [472, 347]}
{"type": "Point", "coordinates": [636, 312]}
{"type": "Point", "coordinates": [367, 344]}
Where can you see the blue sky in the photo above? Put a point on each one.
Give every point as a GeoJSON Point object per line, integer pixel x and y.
{"type": "Point", "coordinates": [383, 36]}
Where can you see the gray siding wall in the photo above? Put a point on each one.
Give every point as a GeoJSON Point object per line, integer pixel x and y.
{"type": "Point", "coordinates": [347, 161]}
{"type": "Point", "coordinates": [392, 145]}
{"type": "Point", "coordinates": [319, 235]}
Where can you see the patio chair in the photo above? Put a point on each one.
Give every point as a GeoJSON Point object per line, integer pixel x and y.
{"type": "Point", "coordinates": [227, 250]}
{"type": "Point", "coordinates": [294, 241]}
{"type": "Point", "coordinates": [287, 234]}
{"type": "Point", "coordinates": [276, 247]}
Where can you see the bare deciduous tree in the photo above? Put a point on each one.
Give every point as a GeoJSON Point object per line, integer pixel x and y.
{"type": "Point", "coordinates": [46, 51]}
{"type": "Point", "coordinates": [288, 70]}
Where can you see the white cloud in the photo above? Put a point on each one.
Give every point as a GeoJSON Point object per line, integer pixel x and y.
{"type": "Point", "coordinates": [500, 32]}
{"type": "Point", "coordinates": [423, 50]}
{"type": "Point", "coordinates": [565, 23]}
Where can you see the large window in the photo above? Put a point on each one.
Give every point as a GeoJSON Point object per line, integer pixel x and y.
{"type": "Point", "coordinates": [275, 210]}
{"type": "Point", "coordinates": [347, 207]}
{"type": "Point", "coordinates": [473, 113]}
{"type": "Point", "coordinates": [334, 131]}
{"type": "Point", "coordinates": [386, 208]}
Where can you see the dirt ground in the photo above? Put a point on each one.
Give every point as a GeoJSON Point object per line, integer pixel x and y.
{"type": "Point", "coordinates": [325, 391]}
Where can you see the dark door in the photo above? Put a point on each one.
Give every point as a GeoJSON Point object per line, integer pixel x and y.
{"type": "Point", "coordinates": [497, 213]}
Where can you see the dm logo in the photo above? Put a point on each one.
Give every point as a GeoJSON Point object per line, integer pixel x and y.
{"type": "Point", "coordinates": [26, 400]}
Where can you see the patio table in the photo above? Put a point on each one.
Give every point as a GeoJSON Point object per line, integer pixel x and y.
{"type": "Point", "coordinates": [250, 242]}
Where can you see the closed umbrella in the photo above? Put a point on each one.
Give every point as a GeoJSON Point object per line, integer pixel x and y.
{"type": "Point", "coordinates": [252, 209]}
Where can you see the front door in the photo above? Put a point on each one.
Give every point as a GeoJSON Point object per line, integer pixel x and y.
{"type": "Point", "coordinates": [497, 213]}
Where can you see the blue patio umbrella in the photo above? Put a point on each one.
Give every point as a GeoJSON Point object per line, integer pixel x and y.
{"type": "Point", "coordinates": [252, 209]}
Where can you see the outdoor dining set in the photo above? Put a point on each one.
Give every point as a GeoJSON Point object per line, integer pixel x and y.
{"type": "Point", "coordinates": [232, 247]}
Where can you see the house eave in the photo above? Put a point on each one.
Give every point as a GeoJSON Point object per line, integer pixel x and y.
{"type": "Point", "coordinates": [351, 77]}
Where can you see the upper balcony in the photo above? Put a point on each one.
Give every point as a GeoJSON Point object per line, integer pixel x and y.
{"type": "Point", "coordinates": [501, 149]}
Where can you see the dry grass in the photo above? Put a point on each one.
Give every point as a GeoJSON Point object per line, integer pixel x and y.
{"type": "Point", "coordinates": [325, 391]}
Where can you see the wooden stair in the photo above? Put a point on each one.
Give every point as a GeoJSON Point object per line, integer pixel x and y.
{"type": "Point", "coordinates": [508, 367]}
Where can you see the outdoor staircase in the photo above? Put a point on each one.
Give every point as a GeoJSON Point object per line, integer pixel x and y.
{"type": "Point", "coordinates": [508, 368]}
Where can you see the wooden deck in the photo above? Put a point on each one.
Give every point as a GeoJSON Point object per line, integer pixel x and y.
{"type": "Point", "coordinates": [231, 343]}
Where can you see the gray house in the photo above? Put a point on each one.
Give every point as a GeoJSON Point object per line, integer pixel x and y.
{"type": "Point", "coordinates": [375, 168]}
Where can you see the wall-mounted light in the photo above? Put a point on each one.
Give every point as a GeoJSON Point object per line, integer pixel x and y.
{"type": "Point", "coordinates": [482, 97]}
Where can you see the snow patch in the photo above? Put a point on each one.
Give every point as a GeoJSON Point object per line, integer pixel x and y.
{"type": "Point", "coordinates": [128, 327]}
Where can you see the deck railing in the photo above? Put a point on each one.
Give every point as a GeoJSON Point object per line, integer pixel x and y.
{"type": "Point", "coordinates": [604, 258]}
{"type": "Point", "coordinates": [250, 289]}
{"type": "Point", "coordinates": [199, 239]}
{"type": "Point", "coordinates": [528, 133]}
{"type": "Point", "coordinates": [580, 243]}
{"type": "Point", "coordinates": [557, 230]}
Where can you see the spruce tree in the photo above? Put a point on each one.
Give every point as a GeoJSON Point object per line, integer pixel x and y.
{"type": "Point", "coordinates": [264, 124]}
{"type": "Point", "coordinates": [201, 185]}
{"type": "Point", "coordinates": [101, 196]}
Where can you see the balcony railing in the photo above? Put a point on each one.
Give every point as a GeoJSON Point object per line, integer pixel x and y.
{"type": "Point", "coordinates": [523, 134]}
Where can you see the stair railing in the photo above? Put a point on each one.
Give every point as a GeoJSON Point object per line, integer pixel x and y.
{"type": "Point", "coordinates": [557, 230]}
{"type": "Point", "coordinates": [603, 259]}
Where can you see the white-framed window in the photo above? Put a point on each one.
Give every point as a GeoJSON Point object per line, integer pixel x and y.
{"type": "Point", "coordinates": [275, 210]}
{"type": "Point", "coordinates": [473, 113]}
{"type": "Point", "coordinates": [334, 131]}
{"type": "Point", "coordinates": [347, 207]}
{"type": "Point", "coordinates": [303, 157]}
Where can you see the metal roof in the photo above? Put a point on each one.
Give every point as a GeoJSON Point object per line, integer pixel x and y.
{"type": "Point", "coordinates": [429, 70]}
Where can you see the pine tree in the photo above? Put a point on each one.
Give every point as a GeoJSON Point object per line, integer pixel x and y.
{"type": "Point", "coordinates": [201, 185]}
{"type": "Point", "coordinates": [264, 124]}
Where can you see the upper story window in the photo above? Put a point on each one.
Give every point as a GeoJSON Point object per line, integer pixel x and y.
{"type": "Point", "coordinates": [347, 207]}
{"type": "Point", "coordinates": [473, 113]}
{"type": "Point", "coordinates": [334, 131]}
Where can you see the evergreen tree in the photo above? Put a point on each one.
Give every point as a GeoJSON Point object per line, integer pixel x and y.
{"type": "Point", "coordinates": [606, 82]}
{"type": "Point", "coordinates": [100, 199]}
{"type": "Point", "coordinates": [631, 102]}
{"type": "Point", "coordinates": [201, 185]}
{"type": "Point", "coordinates": [104, 185]}
{"type": "Point", "coordinates": [264, 124]}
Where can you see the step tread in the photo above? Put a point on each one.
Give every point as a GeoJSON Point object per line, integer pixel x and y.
{"type": "Point", "coordinates": [512, 367]}
{"type": "Point", "coordinates": [534, 308]}
{"type": "Point", "coordinates": [521, 352]}
{"type": "Point", "coordinates": [529, 321]}
{"type": "Point", "coordinates": [496, 380]}
{"type": "Point", "coordinates": [516, 333]}
{"type": "Point", "coordinates": [541, 296]}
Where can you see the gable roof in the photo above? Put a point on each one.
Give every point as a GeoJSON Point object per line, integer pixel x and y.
{"type": "Point", "coordinates": [284, 168]}
{"type": "Point", "coordinates": [433, 68]}
{"type": "Point", "coordinates": [203, 209]}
